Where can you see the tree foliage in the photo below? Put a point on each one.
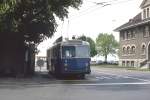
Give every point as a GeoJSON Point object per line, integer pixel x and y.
{"type": "Point", "coordinates": [106, 44]}
{"type": "Point", "coordinates": [93, 51]}
{"type": "Point", "coordinates": [34, 19]}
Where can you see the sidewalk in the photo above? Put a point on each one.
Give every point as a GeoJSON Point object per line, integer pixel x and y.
{"type": "Point", "coordinates": [38, 78]}
{"type": "Point", "coordinates": [116, 67]}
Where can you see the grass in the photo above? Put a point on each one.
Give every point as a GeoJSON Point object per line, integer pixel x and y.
{"type": "Point", "coordinates": [119, 67]}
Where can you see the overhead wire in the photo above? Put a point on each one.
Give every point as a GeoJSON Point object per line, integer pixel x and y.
{"type": "Point", "coordinates": [122, 1]}
{"type": "Point", "coordinates": [102, 1]}
{"type": "Point", "coordinates": [100, 5]}
{"type": "Point", "coordinates": [96, 6]}
{"type": "Point", "coordinates": [68, 24]}
{"type": "Point", "coordinates": [87, 12]}
{"type": "Point", "coordinates": [91, 7]}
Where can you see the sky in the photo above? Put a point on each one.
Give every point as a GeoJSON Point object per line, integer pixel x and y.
{"type": "Point", "coordinates": [93, 18]}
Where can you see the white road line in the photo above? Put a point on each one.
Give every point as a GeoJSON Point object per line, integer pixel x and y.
{"type": "Point", "coordinates": [102, 77]}
{"type": "Point", "coordinates": [112, 84]}
{"type": "Point", "coordinates": [106, 77]}
{"type": "Point", "coordinates": [90, 84]}
{"type": "Point", "coordinates": [122, 76]}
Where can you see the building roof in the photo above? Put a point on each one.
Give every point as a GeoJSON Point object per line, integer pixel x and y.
{"type": "Point", "coordinates": [136, 21]}
{"type": "Point", "coordinates": [145, 3]}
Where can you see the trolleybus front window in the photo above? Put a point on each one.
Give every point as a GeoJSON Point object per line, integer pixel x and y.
{"type": "Point", "coordinates": [68, 51]}
{"type": "Point", "coordinates": [82, 51]}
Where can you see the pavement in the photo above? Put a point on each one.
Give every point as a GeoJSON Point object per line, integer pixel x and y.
{"type": "Point", "coordinates": [101, 84]}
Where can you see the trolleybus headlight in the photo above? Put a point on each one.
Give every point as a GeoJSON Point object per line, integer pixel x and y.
{"type": "Point", "coordinates": [65, 65]}
{"type": "Point", "coordinates": [86, 64]}
{"type": "Point", "coordinates": [65, 69]}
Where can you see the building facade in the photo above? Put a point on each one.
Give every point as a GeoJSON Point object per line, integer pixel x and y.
{"type": "Point", "coordinates": [135, 39]}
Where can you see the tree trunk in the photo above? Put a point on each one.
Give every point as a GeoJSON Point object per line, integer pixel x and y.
{"type": "Point", "coordinates": [105, 59]}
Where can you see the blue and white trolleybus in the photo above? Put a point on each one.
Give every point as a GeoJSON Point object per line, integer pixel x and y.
{"type": "Point", "coordinates": [71, 57]}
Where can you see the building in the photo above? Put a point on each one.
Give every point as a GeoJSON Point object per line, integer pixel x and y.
{"type": "Point", "coordinates": [135, 39]}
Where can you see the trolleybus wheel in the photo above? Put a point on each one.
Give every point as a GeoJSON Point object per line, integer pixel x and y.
{"type": "Point", "coordinates": [82, 76]}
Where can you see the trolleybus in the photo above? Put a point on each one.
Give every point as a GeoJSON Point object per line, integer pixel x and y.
{"type": "Point", "coordinates": [71, 57]}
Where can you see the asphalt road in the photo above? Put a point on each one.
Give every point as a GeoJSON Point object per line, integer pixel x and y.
{"type": "Point", "coordinates": [101, 84]}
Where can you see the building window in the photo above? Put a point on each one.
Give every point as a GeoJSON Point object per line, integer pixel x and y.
{"type": "Point", "coordinates": [124, 50]}
{"type": "Point", "coordinates": [128, 35]}
{"type": "Point", "coordinates": [144, 14]}
{"type": "Point", "coordinates": [132, 63]}
{"type": "Point", "coordinates": [133, 34]}
{"type": "Point", "coordinates": [123, 63]}
{"type": "Point", "coordinates": [147, 30]}
{"type": "Point", "coordinates": [133, 50]}
{"type": "Point", "coordinates": [144, 32]}
{"type": "Point", "coordinates": [128, 50]}
{"type": "Point", "coordinates": [124, 36]}
{"type": "Point", "coordinates": [143, 49]}
{"type": "Point", "coordinates": [147, 12]}
{"type": "Point", "coordinates": [128, 63]}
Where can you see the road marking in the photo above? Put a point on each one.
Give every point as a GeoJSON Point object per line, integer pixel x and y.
{"type": "Point", "coordinates": [118, 77]}
{"type": "Point", "coordinates": [106, 77]}
{"type": "Point", "coordinates": [75, 84]}
{"type": "Point", "coordinates": [112, 84]}
{"type": "Point", "coordinates": [101, 78]}
{"type": "Point", "coordinates": [122, 76]}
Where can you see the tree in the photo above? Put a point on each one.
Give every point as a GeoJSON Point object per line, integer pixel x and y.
{"type": "Point", "coordinates": [34, 19]}
{"type": "Point", "coordinates": [106, 44]}
{"type": "Point", "coordinates": [93, 51]}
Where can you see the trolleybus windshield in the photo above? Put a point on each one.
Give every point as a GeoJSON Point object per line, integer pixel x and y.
{"type": "Point", "coordinates": [75, 51]}
{"type": "Point", "coordinates": [68, 51]}
{"type": "Point", "coordinates": [82, 51]}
